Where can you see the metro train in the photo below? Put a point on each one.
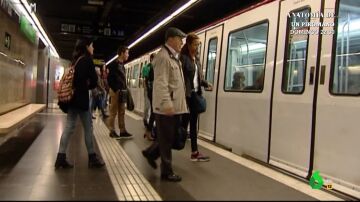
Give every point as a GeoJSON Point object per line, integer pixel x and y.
{"type": "Point", "coordinates": [298, 107]}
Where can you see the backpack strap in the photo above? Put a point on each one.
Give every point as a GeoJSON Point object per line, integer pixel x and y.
{"type": "Point", "coordinates": [73, 66]}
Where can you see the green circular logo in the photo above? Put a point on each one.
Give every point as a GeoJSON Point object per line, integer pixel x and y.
{"type": "Point", "coordinates": [316, 181]}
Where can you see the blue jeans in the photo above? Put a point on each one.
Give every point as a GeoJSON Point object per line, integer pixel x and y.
{"type": "Point", "coordinates": [97, 102]}
{"type": "Point", "coordinates": [86, 121]}
{"type": "Point", "coordinates": [104, 101]}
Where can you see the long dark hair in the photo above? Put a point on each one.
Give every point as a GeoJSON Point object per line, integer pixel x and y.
{"type": "Point", "coordinates": [189, 39]}
{"type": "Point", "coordinates": [81, 48]}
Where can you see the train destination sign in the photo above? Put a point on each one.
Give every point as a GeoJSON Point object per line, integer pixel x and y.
{"type": "Point", "coordinates": [312, 27]}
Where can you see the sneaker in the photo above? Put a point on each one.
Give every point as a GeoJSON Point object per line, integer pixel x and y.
{"type": "Point", "coordinates": [199, 157]}
{"type": "Point", "coordinates": [113, 134]}
{"type": "Point", "coordinates": [125, 135]}
{"type": "Point", "coordinates": [171, 177]}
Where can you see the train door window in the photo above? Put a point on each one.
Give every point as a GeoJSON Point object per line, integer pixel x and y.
{"type": "Point", "coordinates": [135, 76]}
{"type": "Point", "coordinates": [198, 53]}
{"type": "Point", "coordinates": [293, 80]}
{"type": "Point", "coordinates": [211, 60]}
{"type": "Point", "coordinates": [141, 76]}
{"type": "Point", "coordinates": [346, 62]}
{"type": "Point", "coordinates": [245, 65]}
{"type": "Point", "coordinates": [129, 76]}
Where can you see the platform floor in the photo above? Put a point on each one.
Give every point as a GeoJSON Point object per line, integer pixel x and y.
{"type": "Point", "coordinates": [27, 169]}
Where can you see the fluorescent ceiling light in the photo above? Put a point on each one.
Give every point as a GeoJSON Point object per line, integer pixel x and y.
{"type": "Point", "coordinates": [34, 20]}
{"type": "Point", "coordinates": [164, 21]}
{"type": "Point", "coordinates": [160, 24]}
{"type": "Point", "coordinates": [112, 59]}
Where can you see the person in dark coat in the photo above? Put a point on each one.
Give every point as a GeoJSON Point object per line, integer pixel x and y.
{"type": "Point", "coordinates": [193, 81]}
{"type": "Point", "coordinates": [85, 78]}
{"type": "Point", "coordinates": [117, 92]}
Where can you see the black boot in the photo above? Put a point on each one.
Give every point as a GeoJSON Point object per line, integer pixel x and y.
{"type": "Point", "coordinates": [61, 161]}
{"type": "Point", "coordinates": [94, 162]}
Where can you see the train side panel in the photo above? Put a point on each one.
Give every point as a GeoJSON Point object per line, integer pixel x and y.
{"type": "Point", "coordinates": [246, 73]}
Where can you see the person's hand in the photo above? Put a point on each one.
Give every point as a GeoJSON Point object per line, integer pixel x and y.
{"type": "Point", "coordinates": [169, 111]}
{"type": "Point", "coordinates": [209, 87]}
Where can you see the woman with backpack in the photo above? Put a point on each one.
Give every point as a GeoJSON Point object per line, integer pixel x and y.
{"type": "Point", "coordinates": [84, 79]}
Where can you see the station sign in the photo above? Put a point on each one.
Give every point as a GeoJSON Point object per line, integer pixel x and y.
{"type": "Point", "coordinates": [27, 29]}
{"type": "Point", "coordinates": [91, 30]}
{"type": "Point", "coordinates": [98, 62]}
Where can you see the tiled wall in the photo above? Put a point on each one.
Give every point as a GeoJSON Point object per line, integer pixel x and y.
{"type": "Point", "coordinates": [17, 81]}
{"type": "Point", "coordinates": [56, 65]}
{"type": "Point", "coordinates": [41, 85]}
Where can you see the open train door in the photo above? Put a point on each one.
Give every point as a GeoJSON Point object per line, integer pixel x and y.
{"type": "Point", "coordinates": [294, 85]}
{"type": "Point", "coordinates": [210, 70]}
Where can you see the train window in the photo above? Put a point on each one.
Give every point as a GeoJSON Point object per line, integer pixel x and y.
{"type": "Point", "coordinates": [126, 74]}
{"type": "Point", "coordinates": [295, 53]}
{"type": "Point", "coordinates": [246, 59]}
{"type": "Point", "coordinates": [199, 52]}
{"type": "Point", "coordinates": [346, 66]}
{"type": "Point", "coordinates": [141, 67]}
{"type": "Point", "coordinates": [211, 60]}
{"type": "Point", "coordinates": [129, 76]}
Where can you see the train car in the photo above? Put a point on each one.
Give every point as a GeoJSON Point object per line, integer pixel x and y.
{"type": "Point", "coordinates": [135, 80]}
{"type": "Point", "coordinates": [298, 63]}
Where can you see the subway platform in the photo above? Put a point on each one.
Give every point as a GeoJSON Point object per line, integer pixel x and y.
{"type": "Point", "coordinates": [27, 169]}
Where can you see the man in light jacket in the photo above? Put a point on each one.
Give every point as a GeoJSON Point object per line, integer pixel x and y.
{"type": "Point", "coordinates": [169, 102]}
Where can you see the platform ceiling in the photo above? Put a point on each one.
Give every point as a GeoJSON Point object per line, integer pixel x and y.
{"type": "Point", "coordinates": [115, 22]}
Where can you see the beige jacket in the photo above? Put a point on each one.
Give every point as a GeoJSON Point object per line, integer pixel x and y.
{"type": "Point", "coordinates": [168, 87]}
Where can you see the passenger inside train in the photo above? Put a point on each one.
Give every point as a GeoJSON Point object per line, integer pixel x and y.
{"type": "Point", "coordinates": [258, 84]}
{"type": "Point", "coordinates": [238, 82]}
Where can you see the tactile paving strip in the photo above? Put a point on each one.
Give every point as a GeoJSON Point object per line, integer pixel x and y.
{"type": "Point", "coordinates": [128, 182]}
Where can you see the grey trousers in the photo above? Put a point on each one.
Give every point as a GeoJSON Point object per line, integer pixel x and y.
{"type": "Point", "coordinates": [166, 127]}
